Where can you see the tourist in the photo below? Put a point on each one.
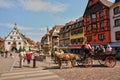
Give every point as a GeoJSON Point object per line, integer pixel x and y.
{"type": "Point", "coordinates": [87, 49]}
{"type": "Point", "coordinates": [108, 49]}
{"type": "Point", "coordinates": [21, 57]}
{"type": "Point", "coordinates": [6, 54]}
{"type": "Point", "coordinates": [28, 57]}
{"type": "Point", "coordinates": [101, 49]}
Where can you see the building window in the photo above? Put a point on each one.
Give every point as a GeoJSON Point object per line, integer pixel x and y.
{"type": "Point", "coordinates": [67, 34]}
{"type": "Point", "coordinates": [8, 43]}
{"type": "Point", "coordinates": [87, 18]}
{"type": "Point", "coordinates": [93, 16]}
{"type": "Point", "coordinates": [101, 36]}
{"type": "Point", "coordinates": [80, 31]}
{"type": "Point", "coordinates": [89, 38]}
{"type": "Point", "coordinates": [81, 23]}
{"type": "Point", "coordinates": [116, 10]}
{"type": "Point", "coordinates": [117, 35]}
{"type": "Point", "coordinates": [80, 39]}
{"type": "Point", "coordinates": [101, 14]}
{"type": "Point", "coordinates": [102, 24]}
{"type": "Point", "coordinates": [18, 37]}
{"type": "Point", "coordinates": [11, 37]}
{"type": "Point", "coordinates": [88, 28]}
{"type": "Point", "coordinates": [117, 22]}
{"type": "Point", "coordinates": [19, 43]}
{"type": "Point", "coordinates": [94, 26]}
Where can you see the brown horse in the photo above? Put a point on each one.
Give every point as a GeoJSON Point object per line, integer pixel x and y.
{"type": "Point", "coordinates": [67, 57]}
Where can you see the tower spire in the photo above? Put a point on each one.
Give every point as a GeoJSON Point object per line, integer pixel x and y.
{"type": "Point", "coordinates": [15, 27]}
{"type": "Point", "coordinates": [47, 30]}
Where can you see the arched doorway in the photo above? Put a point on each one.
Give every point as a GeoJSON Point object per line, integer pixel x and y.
{"type": "Point", "coordinates": [13, 46]}
{"type": "Point", "coordinates": [14, 49]}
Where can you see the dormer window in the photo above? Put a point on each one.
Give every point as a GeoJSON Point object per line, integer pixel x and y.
{"type": "Point", "coordinates": [18, 37]}
{"type": "Point", "coordinates": [11, 37]}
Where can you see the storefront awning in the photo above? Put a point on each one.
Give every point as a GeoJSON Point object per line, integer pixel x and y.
{"type": "Point", "coordinates": [115, 45]}
{"type": "Point", "coordinates": [104, 44]}
{"type": "Point", "coordinates": [74, 47]}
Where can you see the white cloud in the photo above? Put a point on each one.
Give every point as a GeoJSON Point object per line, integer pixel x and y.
{"type": "Point", "coordinates": [25, 28]}
{"type": "Point", "coordinates": [34, 5]}
{"type": "Point", "coordinates": [18, 26]}
{"type": "Point", "coordinates": [33, 32]}
{"type": "Point", "coordinates": [6, 25]}
{"type": "Point", "coordinates": [36, 36]}
{"type": "Point", "coordinates": [40, 5]}
{"type": "Point", "coordinates": [6, 4]}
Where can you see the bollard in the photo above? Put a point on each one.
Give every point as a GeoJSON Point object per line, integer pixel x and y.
{"type": "Point", "coordinates": [34, 63]}
{"type": "Point", "coordinates": [20, 63]}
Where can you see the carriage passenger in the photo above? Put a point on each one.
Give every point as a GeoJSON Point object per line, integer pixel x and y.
{"type": "Point", "coordinates": [101, 49]}
{"type": "Point", "coordinates": [92, 50]}
{"type": "Point", "coordinates": [108, 49]}
{"type": "Point", "coordinates": [97, 48]}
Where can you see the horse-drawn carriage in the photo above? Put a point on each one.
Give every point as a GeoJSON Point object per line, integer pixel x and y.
{"type": "Point", "coordinates": [106, 59]}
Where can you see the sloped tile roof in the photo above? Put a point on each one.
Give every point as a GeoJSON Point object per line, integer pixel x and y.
{"type": "Point", "coordinates": [107, 3]}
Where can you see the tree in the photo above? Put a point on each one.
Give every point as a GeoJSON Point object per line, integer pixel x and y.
{"type": "Point", "coordinates": [20, 49]}
{"type": "Point", "coordinates": [24, 48]}
{"type": "Point", "coordinates": [1, 49]}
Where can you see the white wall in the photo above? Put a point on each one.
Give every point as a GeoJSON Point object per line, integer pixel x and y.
{"type": "Point", "coordinates": [112, 20]}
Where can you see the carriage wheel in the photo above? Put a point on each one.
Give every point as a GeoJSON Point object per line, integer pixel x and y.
{"type": "Point", "coordinates": [110, 61]}
{"type": "Point", "coordinates": [88, 62]}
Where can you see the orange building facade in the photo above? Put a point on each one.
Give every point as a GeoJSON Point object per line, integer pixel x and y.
{"type": "Point", "coordinates": [97, 22]}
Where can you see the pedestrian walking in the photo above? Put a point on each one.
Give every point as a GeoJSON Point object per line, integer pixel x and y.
{"type": "Point", "coordinates": [2, 54]}
{"type": "Point", "coordinates": [21, 57]}
{"type": "Point", "coordinates": [11, 54]}
{"type": "Point", "coordinates": [28, 57]}
{"type": "Point", "coordinates": [35, 54]}
{"type": "Point", "coordinates": [6, 54]}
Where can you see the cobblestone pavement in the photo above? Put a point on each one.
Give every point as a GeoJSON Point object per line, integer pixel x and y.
{"type": "Point", "coordinates": [97, 72]}
{"type": "Point", "coordinates": [6, 63]}
{"type": "Point", "coordinates": [27, 72]}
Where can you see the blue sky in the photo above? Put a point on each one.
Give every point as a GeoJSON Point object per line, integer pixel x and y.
{"type": "Point", "coordinates": [34, 16]}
